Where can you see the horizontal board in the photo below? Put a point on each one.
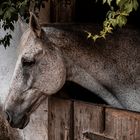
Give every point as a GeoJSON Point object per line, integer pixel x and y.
{"type": "Point", "coordinates": [122, 125]}
{"type": "Point", "coordinates": [102, 122]}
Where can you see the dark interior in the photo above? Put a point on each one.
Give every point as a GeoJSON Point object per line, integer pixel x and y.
{"type": "Point", "coordinates": [76, 92]}
{"type": "Point", "coordinates": [134, 18]}
{"type": "Point", "coordinates": [91, 11]}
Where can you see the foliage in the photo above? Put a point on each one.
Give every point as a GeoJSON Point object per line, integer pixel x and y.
{"type": "Point", "coordinates": [116, 16]}
{"type": "Point", "coordinates": [9, 11]}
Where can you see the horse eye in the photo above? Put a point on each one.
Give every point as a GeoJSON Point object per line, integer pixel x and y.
{"type": "Point", "coordinates": [27, 63]}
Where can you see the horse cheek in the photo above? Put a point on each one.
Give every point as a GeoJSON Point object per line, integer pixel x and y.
{"type": "Point", "coordinates": [51, 78]}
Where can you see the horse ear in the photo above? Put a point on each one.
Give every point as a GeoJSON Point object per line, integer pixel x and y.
{"type": "Point", "coordinates": [22, 24]}
{"type": "Point", "coordinates": [34, 25]}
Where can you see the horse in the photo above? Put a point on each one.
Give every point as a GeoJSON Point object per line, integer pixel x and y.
{"type": "Point", "coordinates": [50, 56]}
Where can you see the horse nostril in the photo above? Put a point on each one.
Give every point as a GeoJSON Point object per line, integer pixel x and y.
{"type": "Point", "coordinates": [8, 116]}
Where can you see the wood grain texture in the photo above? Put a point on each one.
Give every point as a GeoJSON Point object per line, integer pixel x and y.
{"type": "Point", "coordinates": [62, 11]}
{"type": "Point", "coordinates": [87, 118]}
{"type": "Point", "coordinates": [93, 136]}
{"type": "Point", "coordinates": [59, 116]}
{"type": "Point", "coordinates": [122, 125]}
{"type": "Point", "coordinates": [61, 119]}
{"type": "Point", "coordinates": [44, 14]}
{"type": "Point", "coordinates": [95, 122]}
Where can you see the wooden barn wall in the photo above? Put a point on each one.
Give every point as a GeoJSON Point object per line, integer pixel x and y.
{"type": "Point", "coordinates": [62, 10]}
{"type": "Point", "coordinates": [76, 120]}
{"type": "Point", "coordinates": [44, 14]}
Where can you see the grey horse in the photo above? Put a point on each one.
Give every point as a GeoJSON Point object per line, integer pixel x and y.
{"type": "Point", "coordinates": [50, 56]}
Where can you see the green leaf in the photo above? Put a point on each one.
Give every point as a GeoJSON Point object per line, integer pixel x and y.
{"type": "Point", "coordinates": [117, 2]}
{"type": "Point", "coordinates": [121, 20]}
{"type": "Point", "coordinates": [114, 22]}
{"type": "Point", "coordinates": [135, 4]}
{"type": "Point", "coordinates": [109, 29]}
{"type": "Point", "coordinates": [5, 4]}
{"type": "Point", "coordinates": [89, 34]}
{"type": "Point", "coordinates": [128, 7]}
{"type": "Point", "coordinates": [7, 15]}
{"type": "Point", "coordinates": [122, 3]}
{"type": "Point", "coordinates": [104, 1]}
{"type": "Point", "coordinates": [12, 10]}
{"type": "Point", "coordinates": [109, 2]}
{"type": "Point", "coordinates": [95, 37]}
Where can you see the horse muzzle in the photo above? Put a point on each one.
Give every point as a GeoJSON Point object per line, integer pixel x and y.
{"type": "Point", "coordinates": [15, 122]}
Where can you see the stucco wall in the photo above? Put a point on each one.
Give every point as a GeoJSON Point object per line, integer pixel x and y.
{"type": "Point", "coordinates": [8, 59]}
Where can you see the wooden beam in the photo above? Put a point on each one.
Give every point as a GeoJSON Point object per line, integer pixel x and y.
{"type": "Point", "coordinates": [122, 125]}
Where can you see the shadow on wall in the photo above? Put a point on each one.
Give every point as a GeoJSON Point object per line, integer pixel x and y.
{"type": "Point", "coordinates": [6, 132]}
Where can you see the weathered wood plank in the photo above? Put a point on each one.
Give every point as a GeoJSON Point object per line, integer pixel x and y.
{"type": "Point", "coordinates": [74, 120]}
{"type": "Point", "coordinates": [59, 116]}
{"type": "Point", "coordinates": [93, 136]}
{"type": "Point", "coordinates": [122, 125]}
{"type": "Point", "coordinates": [87, 118]}
{"type": "Point", "coordinates": [105, 123]}
{"type": "Point", "coordinates": [44, 13]}
{"type": "Point", "coordinates": [62, 10]}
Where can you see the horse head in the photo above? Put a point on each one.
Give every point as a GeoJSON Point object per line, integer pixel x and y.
{"type": "Point", "coordinates": [39, 72]}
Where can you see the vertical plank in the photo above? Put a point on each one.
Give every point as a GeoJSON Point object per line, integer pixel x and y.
{"type": "Point", "coordinates": [44, 14]}
{"type": "Point", "coordinates": [87, 118]}
{"type": "Point", "coordinates": [122, 125]}
{"type": "Point", "coordinates": [59, 116]}
{"type": "Point", "coordinates": [62, 10]}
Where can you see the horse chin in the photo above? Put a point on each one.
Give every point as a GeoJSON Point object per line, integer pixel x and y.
{"type": "Point", "coordinates": [25, 120]}
{"type": "Point", "coordinates": [24, 123]}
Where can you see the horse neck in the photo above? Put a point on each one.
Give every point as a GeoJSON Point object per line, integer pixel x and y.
{"type": "Point", "coordinates": [96, 69]}
{"type": "Point", "coordinates": [76, 51]}
{"type": "Point", "coordinates": [81, 76]}
{"type": "Point", "coordinates": [80, 68]}
{"type": "Point", "coordinates": [84, 66]}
